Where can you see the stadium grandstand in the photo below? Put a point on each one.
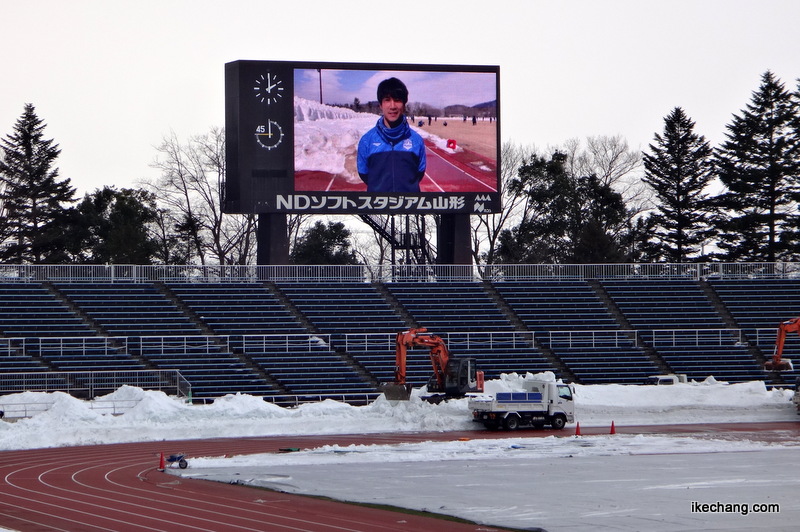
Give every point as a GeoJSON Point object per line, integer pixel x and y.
{"type": "Point", "coordinates": [294, 334]}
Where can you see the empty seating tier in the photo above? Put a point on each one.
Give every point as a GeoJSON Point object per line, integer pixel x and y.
{"type": "Point", "coordinates": [306, 338]}
{"type": "Point", "coordinates": [129, 309]}
{"type": "Point", "coordinates": [238, 308]}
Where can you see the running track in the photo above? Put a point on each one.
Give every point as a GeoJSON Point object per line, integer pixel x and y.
{"type": "Point", "coordinates": [119, 487]}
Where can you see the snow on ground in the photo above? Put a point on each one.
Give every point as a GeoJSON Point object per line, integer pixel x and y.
{"type": "Point", "coordinates": [619, 482]}
{"type": "Point", "coordinates": [60, 420]}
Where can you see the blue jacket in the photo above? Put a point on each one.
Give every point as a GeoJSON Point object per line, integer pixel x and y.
{"type": "Point", "coordinates": [391, 159]}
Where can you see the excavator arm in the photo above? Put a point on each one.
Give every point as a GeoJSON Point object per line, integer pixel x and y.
{"type": "Point", "coordinates": [399, 390]}
{"type": "Point", "coordinates": [778, 363]}
{"type": "Point", "coordinates": [420, 337]}
{"type": "Point", "coordinates": [440, 358]}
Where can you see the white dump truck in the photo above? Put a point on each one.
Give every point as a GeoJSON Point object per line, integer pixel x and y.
{"type": "Point", "coordinates": [541, 403]}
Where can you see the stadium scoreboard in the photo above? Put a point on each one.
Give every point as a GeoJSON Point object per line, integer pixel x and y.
{"type": "Point", "coordinates": [292, 130]}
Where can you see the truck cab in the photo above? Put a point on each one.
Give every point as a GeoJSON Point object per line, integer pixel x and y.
{"type": "Point", "coordinates": [666, 380]}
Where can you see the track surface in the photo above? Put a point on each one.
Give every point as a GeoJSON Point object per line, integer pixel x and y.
{"type": "Point", "coordinates": [464, 171]}
{"type": "Point", "coordinates": [119, 487]}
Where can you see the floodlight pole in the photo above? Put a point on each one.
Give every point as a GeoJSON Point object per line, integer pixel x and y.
{"type": "Point", "coordinates": [319, 71]}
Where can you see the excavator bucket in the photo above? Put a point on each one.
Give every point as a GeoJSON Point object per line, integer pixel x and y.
{"type": "Point", "coordinates": [784, 365]}
{"type": "Point", "coordinates": [396, 392]}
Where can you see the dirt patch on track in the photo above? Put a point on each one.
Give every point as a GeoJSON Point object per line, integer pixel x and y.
{"type": "Point", "coordinates": [480, 138]}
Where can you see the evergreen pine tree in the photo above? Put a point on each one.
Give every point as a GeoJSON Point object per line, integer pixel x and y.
{"type": "Point", "coordinates": [568, 218]}
{"type": "Point", "coordinates": [679, 168]}
{"type": "Point", "coordinates": [759, 165]}
{"type": "Point", "coordinates": [112, 226]}
{"type": "Point", "coordinates": [32, 197]}
{"type": "Point", "coordinates": [324, 244]}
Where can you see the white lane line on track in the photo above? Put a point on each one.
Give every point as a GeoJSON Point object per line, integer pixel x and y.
{"type": "Point", "coordinates": [46, 497]}
{"type": "Point", "coordinates": [469, 176]}
{"type": "Point", "coordinates": [179, 502]}
{"type": "Point", "coordinates": [44, 526]}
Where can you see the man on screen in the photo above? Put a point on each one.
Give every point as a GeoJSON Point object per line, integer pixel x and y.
{"type": "Point", "coordinates": [391, 156]}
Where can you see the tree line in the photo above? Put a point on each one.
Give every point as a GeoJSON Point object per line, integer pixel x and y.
{"type": "Point", "coordinates": [680, 200]}
{"type": "Point", "coordinates": [734, 202]}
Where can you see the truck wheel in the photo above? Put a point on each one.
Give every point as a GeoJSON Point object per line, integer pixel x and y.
{"type": "Point", "coordinates": [511, 422]}
{"type": "Point", "coordinates": [558, 422]}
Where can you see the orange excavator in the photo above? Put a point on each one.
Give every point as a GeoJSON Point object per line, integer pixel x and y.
{"type": "Point", "coordinates": [778, 363]}
{"type": "Point", "coordinates": [452, 377]}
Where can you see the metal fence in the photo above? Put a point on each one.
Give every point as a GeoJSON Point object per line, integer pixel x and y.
{"type": "Point", "coordinates": [374, 342]}
{"type": "Point", "coordinates": [393, 273]}
{"type": "Point", "coordinates": [590, 339]}
{"type": "Point", "coordinates": [90, 384]}
{"type": "Point", "coordinates": [456, 341]}
{"type": "Point", "coordinates": [696, 337]}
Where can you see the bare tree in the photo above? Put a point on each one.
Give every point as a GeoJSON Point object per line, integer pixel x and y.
{"type": "Point", "coordinates": [614, 164]}
{"type": "Point", "coordinates": [190, 190]}
{"type": "Point", "coordinates": [295, 224]}
{"type": "Point", "coordinates": [486, 229]}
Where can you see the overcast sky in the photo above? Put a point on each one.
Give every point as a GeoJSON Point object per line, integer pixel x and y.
{"type": "Point", "coordinates": [112, 78]}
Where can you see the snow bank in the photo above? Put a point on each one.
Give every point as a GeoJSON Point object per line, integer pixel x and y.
{"type": "Point", "coordinates": [58, 419]}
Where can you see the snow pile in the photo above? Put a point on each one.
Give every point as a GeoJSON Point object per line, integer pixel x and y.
{"type": "Point", "coordinates": [695, 402]}
{"type": "Point", "coordinates": [309, 111]}
{"type": "Point", "coordinates": [57, 419]}
{"type": "Point", "coordinates": [326, 138]}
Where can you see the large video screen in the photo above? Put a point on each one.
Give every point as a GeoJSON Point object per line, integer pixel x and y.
{"type": "Point", "coordinates": [338, 138]}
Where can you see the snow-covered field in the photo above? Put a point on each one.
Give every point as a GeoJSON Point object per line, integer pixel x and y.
{"type": "Point", "coordinates": [600, 476]}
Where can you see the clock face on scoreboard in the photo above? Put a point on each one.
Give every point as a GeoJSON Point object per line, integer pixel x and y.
{"type": "Point", "coordinates": [269, 135]}
{"type": "Point", "coordinates": [268, 88]}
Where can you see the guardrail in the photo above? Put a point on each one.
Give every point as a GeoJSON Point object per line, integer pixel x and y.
{"type": "Point", "coordinates": [365, 342]}
{"type": "Point", "coordinates": [596, 338]}
{"type": "Point", "coordinates": [355, 399]}
{"type": "Point", "coordinates": [696, 337]}
{"type": "Point", "coordinates": [97, 273]}
{"type": "Point", "coordinates": [18, 410]}
{"type": "Point", "coordinates": [90, 384]}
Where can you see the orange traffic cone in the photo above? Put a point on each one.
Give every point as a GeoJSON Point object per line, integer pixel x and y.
{"type": "Point", "coordinates": [613, 429]}
{"type": "Point", "coordinates": [161, 464]}
{"type": "Point", "coordinates": [577, 429]}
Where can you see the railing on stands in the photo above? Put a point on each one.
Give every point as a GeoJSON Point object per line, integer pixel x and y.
{"type": "Point", "coordinates": [257, 343]}
{"type": "Point", "coordinates": [695, 337]}
{"type": "Point", "coordinates": [394, 273]}
{"type": "Point", "coordinates": [766, 336]}
{"type": "Point", "coordinates": [590, 339]}
{"type": "Point", "coordinates": [355, 399]}
{"type": "Point", "coordinates": [89, 384]}
{"type": "Point", "coordinates": [65, 345]}
{"type": "Point", "coordinates": [457, 341]}
{"type": "Point", "coordinates": [13, 410]}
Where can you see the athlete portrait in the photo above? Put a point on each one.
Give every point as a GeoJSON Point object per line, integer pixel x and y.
{"type": "Point", "coordinates": [391, 155]}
